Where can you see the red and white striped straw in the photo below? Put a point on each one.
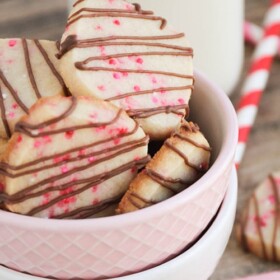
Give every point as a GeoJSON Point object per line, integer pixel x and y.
{"type": "Point", "coordinates": [257, 77]}
{"type": "Point", "coordinates": [253, 34]}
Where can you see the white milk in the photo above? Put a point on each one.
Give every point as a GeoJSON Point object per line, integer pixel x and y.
{"type": "Point", "coordinates": [215, 31]}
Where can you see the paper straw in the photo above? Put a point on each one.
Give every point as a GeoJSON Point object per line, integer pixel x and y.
{"type": "Point", "coordinates": [257, 77]}
{"type": "Point", "coordinates": [253, 34]}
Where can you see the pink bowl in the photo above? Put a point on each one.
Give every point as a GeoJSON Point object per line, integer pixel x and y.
{"type": "Point", "coordinates": [110, 247]}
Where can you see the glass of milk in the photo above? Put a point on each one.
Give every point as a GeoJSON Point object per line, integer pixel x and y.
{"type": "Point", "coordinates": [214, 29]}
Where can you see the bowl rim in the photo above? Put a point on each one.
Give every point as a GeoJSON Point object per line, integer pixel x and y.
{"type": "Point", "coordinates": [219, 166]}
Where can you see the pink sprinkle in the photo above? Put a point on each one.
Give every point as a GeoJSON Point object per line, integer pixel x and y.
{"type": "Point", "coordinates": [98, 27]}
{"type": "Point", "coordinates": [37, 144]}
{"type": "Point", "coordinates": [139, 60]}
{"type": "Point", "coordinates": [12, 43]}
{"type": "Point", "coordinates": [271, 199]}
{"type": "Point", "coordinates": [112, 61]}
{"type": "Point", "coordinates": [11, 115]}
{"type": "Point", "coordinates": [10, 61]}
{"type": "Point", "coordinates": [19, 139]}
{"type": "Point", "coordinates": [137, 158]}
{"type": "Point", "coordinates": [117, 76]}
{"type": "Point", "coordinates": [137, 88]}
{"type": "Point", "coordinates": [64, 169]}
{"type": "Point", "coordinates": [91, 159]}
{"type": "Point", "coordinates": [116, 22]}
{"type": "Point", "coordinates": [163, 91]}
{"type": "Point", "coordinates": [101, 88]}
{"type": "Point", "coordinates": [128, 7]}
{"type": "Point", "coordinates": [154, 80]}
{"type": "Point", "coordinates": [47, 139]}
{"type": "Point", "coordinates": [181, 101]}
{"type": "Point", "coordinates": [101, 128]}
{"type": "Point", "coordinates": [125, 74]}
{"type": "Point", "coordinates": [94, 189]}
{"type": "Point", "coordinates": [69, 134]}
{"type": "Point", "coordinates": [117, 141]}
{"type": "Point", "coordinates": [155, 99]}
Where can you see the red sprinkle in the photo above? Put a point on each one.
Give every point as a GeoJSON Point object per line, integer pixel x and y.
{"type": "Point", "coordinates": [112, 61]}
{"type": "Point", "coordinates": [95, 201]}
{"type": "Point", "coordinates": [19, 139]}
{"type": "Point", "coordinates": [2, 187]}
{"type": "Point", "coordinates": [139, 60]}
{"type": "Point", "coordinates": [94, 189]}
{"type": "Point", "coordinates": [116, 22]}
{"type": "Point", "coordinates": [12, 43]}
{"type": "Point", "coordinates": [69, 134]}
{"type": "Point", "coordinates": [134, 169]}
{"type": "Point", "coordinates": [15, 106]}
{"type": "Point", "coordinates": [260, 221]}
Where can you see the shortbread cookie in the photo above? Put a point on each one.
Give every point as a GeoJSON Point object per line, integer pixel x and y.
{"type": "Point", "coordinates": [71, 158]}
{"type": "Point", "coordinates": [28, 71]}
{"type": "Point", "coordinates": [3, 146]}
{"type": "Point", "coordinates": [259, 228]}
{"type": "Point", "coordinates": [118, 52]}
{"type": "Point", "coordinates": [181, 161]}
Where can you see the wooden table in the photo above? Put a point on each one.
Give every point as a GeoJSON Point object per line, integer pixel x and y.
{"type": "Point", "coordinates": [46, 19]}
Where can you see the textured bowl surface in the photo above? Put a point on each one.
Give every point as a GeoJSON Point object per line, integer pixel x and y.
{"type": "Point", "coordinates": [114, 246]}
{"type": "Point", "coordinates": [185, 265]}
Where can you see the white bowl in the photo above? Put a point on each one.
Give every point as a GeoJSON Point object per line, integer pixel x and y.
{"type": "Point", "coordinates": [197, 263]}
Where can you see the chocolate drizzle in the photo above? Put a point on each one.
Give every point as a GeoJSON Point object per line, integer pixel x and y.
{"type": "Point", "coordinates": [40, 165]}
{"type": "Point", "coordinates": [25, 46]}
{"type": "Point", "coordinates": [122, 14]}
{"type": "Point", "coordinates": [94, 181]}
{"type": "Point", "coordinates": [188, 139]}
{"type": "Point", "coordinates": [133, 197]}
{"type": "Point", "coordinates": [51, 65]}
{"type": "Point", "coordinates": [29, 68]}
{"type": "Point", "coordinates": [13, 92]}
{"type": "Point", "coordinates": [166, 49]}
{"type": "Point", "coordinates": [277, 217]}
{"type": "Point", "coordinates": [183, 156]}
{"type": "Point", "coordinates": [260, 233]}
{"type": "Point", "coordinates": [145, 113]}
{"type": "Point", "coordinates": [173, 185]}
{"type": "Point", "coordinates": [88, 211]}
{"type": "Point", "coordinates": [149, 92]}
{"type": "Point", "coordinates": [71, 42]}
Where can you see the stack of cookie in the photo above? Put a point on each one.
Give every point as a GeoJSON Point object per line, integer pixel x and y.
{"type": "Point", "coordinates": [79, 115]}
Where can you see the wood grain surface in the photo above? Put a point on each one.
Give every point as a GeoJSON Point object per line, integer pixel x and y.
{"type": "Point", "coordinates": [45, 20]}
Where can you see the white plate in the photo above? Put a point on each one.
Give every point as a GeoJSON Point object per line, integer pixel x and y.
{"type": "Point", "coordinates": [196, 263]}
